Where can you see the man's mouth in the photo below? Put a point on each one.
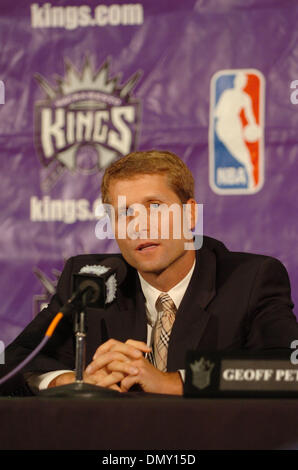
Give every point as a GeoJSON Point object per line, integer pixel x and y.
{"type": "Point", "coordinates": [147, 246]}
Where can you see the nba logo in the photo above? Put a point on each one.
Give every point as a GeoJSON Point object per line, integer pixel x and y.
{"type": "Point", "coordinates": [236, 132]}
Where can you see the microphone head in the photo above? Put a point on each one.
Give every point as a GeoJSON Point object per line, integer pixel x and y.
{"type": "Point", "coordinates": [92, 288]}
{"type": "Point", "coordinates": [111, 263]}
{"type": "Point", "coordinates": [111, 272]}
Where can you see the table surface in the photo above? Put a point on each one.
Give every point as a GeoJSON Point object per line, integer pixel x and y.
{"type": "Point", "coordinates": [144, 421]}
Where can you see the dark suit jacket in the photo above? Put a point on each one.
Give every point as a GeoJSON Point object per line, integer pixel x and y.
{"type": "Point", "coordinates": [234, 301]}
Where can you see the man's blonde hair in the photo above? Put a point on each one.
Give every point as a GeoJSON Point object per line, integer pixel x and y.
{"type": "Point", "coordinates": [180, 178]}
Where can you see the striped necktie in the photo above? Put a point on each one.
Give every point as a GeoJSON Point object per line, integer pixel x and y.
{"type": "Point", "coordinates": [167, 312]}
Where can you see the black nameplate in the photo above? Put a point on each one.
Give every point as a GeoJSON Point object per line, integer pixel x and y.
{"type": "Point", "coordinates": [235, 375]}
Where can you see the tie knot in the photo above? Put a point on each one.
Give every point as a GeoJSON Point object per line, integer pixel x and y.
{"type": "Point", "coordinates": [165, 303]}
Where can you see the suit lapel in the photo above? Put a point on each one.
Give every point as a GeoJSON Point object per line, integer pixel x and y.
{"type": "Point", "coordinates": [192, 316]}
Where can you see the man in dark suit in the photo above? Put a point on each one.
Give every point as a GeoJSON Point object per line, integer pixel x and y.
{"type": "Point", "coordinates": [220, 300]}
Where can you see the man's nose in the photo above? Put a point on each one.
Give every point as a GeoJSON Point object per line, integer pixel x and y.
{"type": "Point", "coordinates": [138, 227]}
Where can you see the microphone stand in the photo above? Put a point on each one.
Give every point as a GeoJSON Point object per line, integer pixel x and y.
{"type": "Point", "coordinates": [80, 334]}
{"type": "Point", "coordinates": [80, 389]}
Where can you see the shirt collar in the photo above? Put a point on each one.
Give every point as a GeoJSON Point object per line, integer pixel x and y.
{"type": "Point", "coordinates": [151, 294]}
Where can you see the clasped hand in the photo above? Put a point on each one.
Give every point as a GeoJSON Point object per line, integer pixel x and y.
{"type": "Point", "coordinates": [113, 362]}
{"type": "Point", "coordinates": [119, 366]}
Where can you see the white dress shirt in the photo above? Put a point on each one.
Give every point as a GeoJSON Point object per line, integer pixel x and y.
{"type": "Point", "coordinates": [41, 382]}
{"type": "Point", "coordinates": [151, 295]}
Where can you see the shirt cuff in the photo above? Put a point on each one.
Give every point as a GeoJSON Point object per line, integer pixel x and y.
{"type": "Point", "coordinates": [182, 374]}
{"type": "Point", "coordinates": [41, 382]}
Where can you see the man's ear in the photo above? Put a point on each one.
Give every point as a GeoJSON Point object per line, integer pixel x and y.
{"type": "Point", "coordinates": [192, 213]}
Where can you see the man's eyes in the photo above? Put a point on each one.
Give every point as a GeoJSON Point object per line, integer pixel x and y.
{"type": "Point", "coordinates": [154, 205]}
{"type": "Point", "coordinates": [130, 211]}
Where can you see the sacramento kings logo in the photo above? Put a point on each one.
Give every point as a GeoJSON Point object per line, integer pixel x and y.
{"type": "Point", "coordinates": [85, 122]}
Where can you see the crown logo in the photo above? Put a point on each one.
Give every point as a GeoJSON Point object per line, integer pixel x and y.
{"type": "Point", "coordinates": [87, 120]}
{"type": "Point", "coordinates": [201, 373]}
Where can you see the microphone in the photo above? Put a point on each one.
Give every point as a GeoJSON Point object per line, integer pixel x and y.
{"type": "Point", "coordinates": [96, 285]}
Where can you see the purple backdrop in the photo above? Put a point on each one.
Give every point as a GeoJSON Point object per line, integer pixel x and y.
{"type": "Point", "coordinates": [86, 83]}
